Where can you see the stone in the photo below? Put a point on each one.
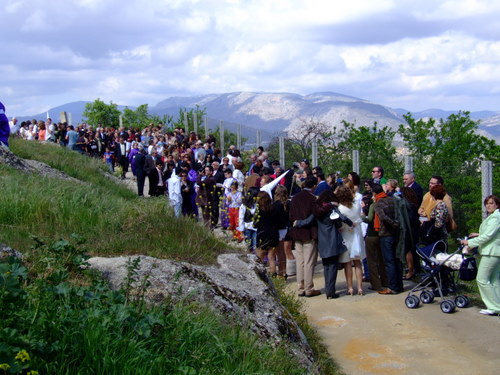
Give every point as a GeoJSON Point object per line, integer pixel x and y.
{"type": "Point", "coordinates": [31, 166]}
{"type": "Point", "coordinates": [6, 251]}
{"type": "Point", "coordinates": [239, 287]}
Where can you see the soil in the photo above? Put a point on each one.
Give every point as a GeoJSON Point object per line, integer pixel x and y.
{"type": "Point", "coordinates": [378, 334]}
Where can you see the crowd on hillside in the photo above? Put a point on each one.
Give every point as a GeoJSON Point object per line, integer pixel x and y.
{"type": "Point", "coordinates": [367, 228]}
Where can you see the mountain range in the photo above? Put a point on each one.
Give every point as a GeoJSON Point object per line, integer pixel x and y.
{"type": "Point", "coordinates": [273, 113]}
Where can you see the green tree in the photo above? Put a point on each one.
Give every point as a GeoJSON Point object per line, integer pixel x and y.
{"type": "Point", "coordinates": [98, 112]}
{"type": "Point", "coordinates": [453, 149]}
{"type": "Point", "coordinates": [230, 138]}
{"type": "Point", "coordinates": [375, 146]}
{"type": "Point", "coordinates": [191, 114]}
{"type": "Point", "coordinates": [139, 118]}
{"type": "Point", "coordinates": [293, 152]}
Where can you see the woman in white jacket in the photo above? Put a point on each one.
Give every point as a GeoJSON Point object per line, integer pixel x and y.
{"type": "Point", "coordinates": [353, 238]}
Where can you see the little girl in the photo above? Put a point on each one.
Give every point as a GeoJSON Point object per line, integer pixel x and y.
{"type": "Point", "coordinates": [233, 200]}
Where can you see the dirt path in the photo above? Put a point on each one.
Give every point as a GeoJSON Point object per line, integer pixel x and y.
{"type": "Point", "coordinates": [378, 334]}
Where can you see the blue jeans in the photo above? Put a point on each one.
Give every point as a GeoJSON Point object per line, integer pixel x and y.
{"type": "Point", "coordinates": [393, 266]}
{"type": "Point", "coordinates": [251, 239]}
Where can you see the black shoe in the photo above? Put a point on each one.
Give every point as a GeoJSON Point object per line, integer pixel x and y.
{"type": "Point", "coordinates": [334, 296]}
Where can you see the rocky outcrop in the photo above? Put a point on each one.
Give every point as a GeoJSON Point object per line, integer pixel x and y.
{"type": "Point", "coordinates": [239, 288]}
{"type": "Point", "coordinates": [31, 166]}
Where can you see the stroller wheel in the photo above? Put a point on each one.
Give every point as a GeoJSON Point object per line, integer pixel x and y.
{"type": "Point", "coordinates": [447, 306]}
{"type": "Point", "coordinates": [426, 296]}
{"type": "Point", "coordinates": [412, 302]}
{"type": "Point", "coordinates": [462, 301]}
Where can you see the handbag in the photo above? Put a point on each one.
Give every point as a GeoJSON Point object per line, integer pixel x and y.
{"type": "Point", "coordinates": [468, 269]}
{"type": "Point", "coordinates": [429, 233]}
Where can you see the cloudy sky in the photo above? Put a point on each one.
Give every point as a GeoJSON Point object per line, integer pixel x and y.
{"type": "Point", "coordinates": [400, 53]}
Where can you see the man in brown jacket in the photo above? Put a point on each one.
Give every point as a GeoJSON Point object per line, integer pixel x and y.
{"type": "Point", "coordinates": [302, 205]}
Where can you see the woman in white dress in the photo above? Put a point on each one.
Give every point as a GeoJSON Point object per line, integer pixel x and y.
{"type": "Point", "coordinates": [353, 238]}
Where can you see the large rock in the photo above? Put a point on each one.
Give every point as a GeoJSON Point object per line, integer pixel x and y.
{"type": "Point", "coordinates": [31, 166]}
{"type": "Point", "coordinates": [239, 288]}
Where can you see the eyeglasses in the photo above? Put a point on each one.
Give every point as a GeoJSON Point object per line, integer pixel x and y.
{"type": "Point", "coordinates": [375, 171]}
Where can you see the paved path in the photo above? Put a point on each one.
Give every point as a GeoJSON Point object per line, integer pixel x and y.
{"type": "Point", "coordinates": [378, 334]}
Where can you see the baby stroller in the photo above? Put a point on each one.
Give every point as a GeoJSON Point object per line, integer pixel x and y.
{"type": "Point", "coordinates": [439, 280]}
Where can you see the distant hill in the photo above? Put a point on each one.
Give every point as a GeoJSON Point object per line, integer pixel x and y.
{"type": "Point", "coordinates": [272, 113]}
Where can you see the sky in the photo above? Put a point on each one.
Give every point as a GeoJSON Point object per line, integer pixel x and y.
{"type": "Point", "coordinates": [399, 53]}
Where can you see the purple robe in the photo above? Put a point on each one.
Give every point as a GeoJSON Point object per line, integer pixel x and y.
{"type": "Point", "coordinates": [4, 126]}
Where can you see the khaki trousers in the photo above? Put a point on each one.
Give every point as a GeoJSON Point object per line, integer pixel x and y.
{"type": "Point", "coordinates": [306, 255]}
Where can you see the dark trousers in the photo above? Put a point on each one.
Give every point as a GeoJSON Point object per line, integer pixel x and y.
{"type": "Point", "coordinates": [393, 266]}
{"type": "Point", "coordinates": [141, 178]}
{"type": "Point", "coordinates": [330, 270]}
{"type": "Point", "coordinates": [124, 164]}
{"type": "Point", "coordinates": [215, 206]}
{"type": "Point", "coordinates": [375, 261]}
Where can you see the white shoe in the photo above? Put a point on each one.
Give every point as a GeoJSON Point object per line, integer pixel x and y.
{"type": "Point", "coordinates": [488, 312]}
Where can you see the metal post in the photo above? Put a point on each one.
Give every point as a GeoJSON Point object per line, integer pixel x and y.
{"type": "Point", "coordinates": [206, 126]}
{"type": "Point", "coordinates": [314, 153]}
{"type": "Point", "coordinates": [195, 122]}
{"type": "Point", "coordinates": [355, 161]}
{"type": "Point", "coordinates": [486, 181]}
{"type": "Point", "coordinates": [238, 137]}
{"type": "Point", "coordinates": [221, 136]}
{"type": "Point", "coordinates": [70, 119]}
{"type": "Point", "coordinates": [258, 139]}
{"type": "Point", "coordinates": [120, 121]}
{"type": "Point", "coordinates": [408, 163]}
{"type": "Point", "coordinates": [282, 151]}
{"type": "Point", "coordinates": [186, 125]}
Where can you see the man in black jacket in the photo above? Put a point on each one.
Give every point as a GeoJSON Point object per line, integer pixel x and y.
{"type": "Point", "coordinates": [140, 161]}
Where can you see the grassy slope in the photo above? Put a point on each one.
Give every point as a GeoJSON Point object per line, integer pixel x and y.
{"type": "Point", "coordinates": [114, 221]}
{"type": "Point", "coordinates": [111, 217]}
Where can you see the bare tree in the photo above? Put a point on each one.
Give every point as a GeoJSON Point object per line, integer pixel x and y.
{"type": "Point", "coordinates": [306, 130]}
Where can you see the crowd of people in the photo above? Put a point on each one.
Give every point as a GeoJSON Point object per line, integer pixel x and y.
{"type": "Point", "coordinates": [367, 228]}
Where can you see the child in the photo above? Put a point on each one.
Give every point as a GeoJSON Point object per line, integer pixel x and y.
{"type": "Point", "coordinates": [224, 214]}
{"type": "Point", "coordinates": [109, 159]}
{"type": "Point", "coordinates": [233, 200]}
{"type": "Point", "coordinates": [247, 212]}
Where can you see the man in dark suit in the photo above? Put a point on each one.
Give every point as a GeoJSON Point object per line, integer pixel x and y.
{"type": "Point", "coordinates": [157, 180]}
{"type": "Point", "coordinates": [322, 185]}
{"type": "Point", "coordinates": [302, 205]}
{"type": "Point", "coordinates": [409, 181]}
{"type": "Point", "coordinates": [121, 156]}
{"type": "Point", "coordinates": [140, 161]}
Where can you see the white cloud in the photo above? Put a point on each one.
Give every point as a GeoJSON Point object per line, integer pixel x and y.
{"type": "Point", "coordinates": [407, 52]}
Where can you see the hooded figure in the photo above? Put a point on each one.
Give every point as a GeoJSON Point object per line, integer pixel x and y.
{"type": "Point", "coordinates": [4, 127]}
